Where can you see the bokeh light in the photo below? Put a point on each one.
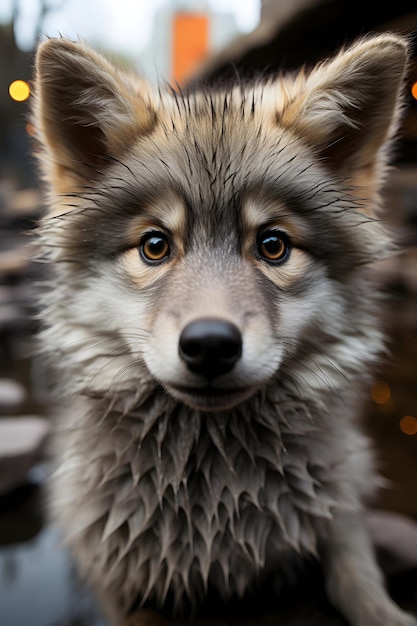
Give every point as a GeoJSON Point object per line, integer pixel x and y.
{"type": "Point", "coordinates": [19, 90]}
{"type": "Point", "coordinates": [380, 392]}
{"type": "Point", "coordinates": [408, 425]}
{"type": "Point", "coordinates": [414, 90]}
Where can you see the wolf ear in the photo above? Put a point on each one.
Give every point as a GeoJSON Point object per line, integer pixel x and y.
{"type": "Point", "coordinates": [349, 107]}
{"type": "Point", "coordinates": [85, 111]}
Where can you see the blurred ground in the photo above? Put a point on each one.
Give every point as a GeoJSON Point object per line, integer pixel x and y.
{"type": "Point", "coordinates": [35, 568]}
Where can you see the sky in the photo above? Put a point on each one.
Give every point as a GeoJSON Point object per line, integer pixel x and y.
{"type": "Point", "coordinates": [121, 25]}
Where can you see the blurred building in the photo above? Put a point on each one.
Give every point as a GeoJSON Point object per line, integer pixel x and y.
{"type": "Point", "coordinates": [185, 36]}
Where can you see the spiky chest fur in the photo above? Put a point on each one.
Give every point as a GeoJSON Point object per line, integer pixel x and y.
{"type": "Point", "coordinates": [177, 502]}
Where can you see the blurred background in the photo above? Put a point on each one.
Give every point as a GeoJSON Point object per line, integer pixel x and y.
{"type": "Point", "coordinates": [179, 41]}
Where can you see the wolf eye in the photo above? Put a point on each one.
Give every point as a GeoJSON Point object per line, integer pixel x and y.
{"type": "Point", "coordinates": [273, 246]}
{"type": "Point", "coordinates": [154, 247]}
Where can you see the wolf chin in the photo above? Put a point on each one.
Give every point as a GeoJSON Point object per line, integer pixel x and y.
{"type": "Point", "coordinates": [211, 320]}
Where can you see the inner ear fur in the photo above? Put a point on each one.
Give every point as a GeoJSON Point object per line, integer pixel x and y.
{"type": "Point", "coordinates": [349, 107]}
{"type": "Point", "coordinates": [86, 110]}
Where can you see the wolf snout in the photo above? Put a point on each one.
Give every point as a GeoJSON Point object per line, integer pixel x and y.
{"type": "Point", "coordinates": [210, 347]}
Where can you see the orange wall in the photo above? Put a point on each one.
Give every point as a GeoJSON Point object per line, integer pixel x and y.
{"type": "Point", "coordinates": [190, 44]}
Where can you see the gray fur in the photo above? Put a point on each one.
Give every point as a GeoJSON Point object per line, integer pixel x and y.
{"type": "Point", "coordinates": [154, 495]}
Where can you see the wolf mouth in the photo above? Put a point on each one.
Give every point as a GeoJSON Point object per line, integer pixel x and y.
{"type": "Point", "coordinates": [211, 397]}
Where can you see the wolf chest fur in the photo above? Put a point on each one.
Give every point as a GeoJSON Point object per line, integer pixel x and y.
{"type": "Point", "coordinates": [212, 323]}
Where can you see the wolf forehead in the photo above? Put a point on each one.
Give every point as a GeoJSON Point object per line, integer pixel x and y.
{"type": "Point", "coordinates": [214, 148]}
{"type": "Point", "coordinates": [206, 158]}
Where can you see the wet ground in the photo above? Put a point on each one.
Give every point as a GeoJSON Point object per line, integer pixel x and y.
{"type": "Point", "coordinates": [38, 583]}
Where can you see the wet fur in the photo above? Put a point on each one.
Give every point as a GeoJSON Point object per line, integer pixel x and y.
{"type": "Point", "coordinates": [160, 494]}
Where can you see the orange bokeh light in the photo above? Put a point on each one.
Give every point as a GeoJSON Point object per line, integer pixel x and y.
{"type": "Point", "coordinates": [380, 392]}
{"type": "Point", "coordinates": [414, 90]}
{"type": "Point", "coordinates": [408, 425]}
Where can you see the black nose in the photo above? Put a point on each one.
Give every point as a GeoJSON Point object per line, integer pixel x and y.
{"type": "Point", "coordinates": [210, 347]}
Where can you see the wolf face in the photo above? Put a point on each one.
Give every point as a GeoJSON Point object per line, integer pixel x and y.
{"type": "Point", "coordinates": [212, 321]}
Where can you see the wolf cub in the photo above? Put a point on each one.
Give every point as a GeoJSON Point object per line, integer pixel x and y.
{"type": "Point", "coordinates": [212, 323]}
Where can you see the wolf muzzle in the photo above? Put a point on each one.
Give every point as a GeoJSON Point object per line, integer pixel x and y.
{"type": "Point", "coordinates": [210, 347]}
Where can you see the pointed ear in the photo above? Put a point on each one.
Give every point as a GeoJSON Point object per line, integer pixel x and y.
{"type": "Point", "coordinates": [85, 111]}
{"type": "Point", "coordinates": [349, 107]}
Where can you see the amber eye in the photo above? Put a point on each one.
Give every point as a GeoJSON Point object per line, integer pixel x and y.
{"type": "Point", "coordinates": [273, 246]}
{"type": "Point", "coordinates": [154, 247]}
